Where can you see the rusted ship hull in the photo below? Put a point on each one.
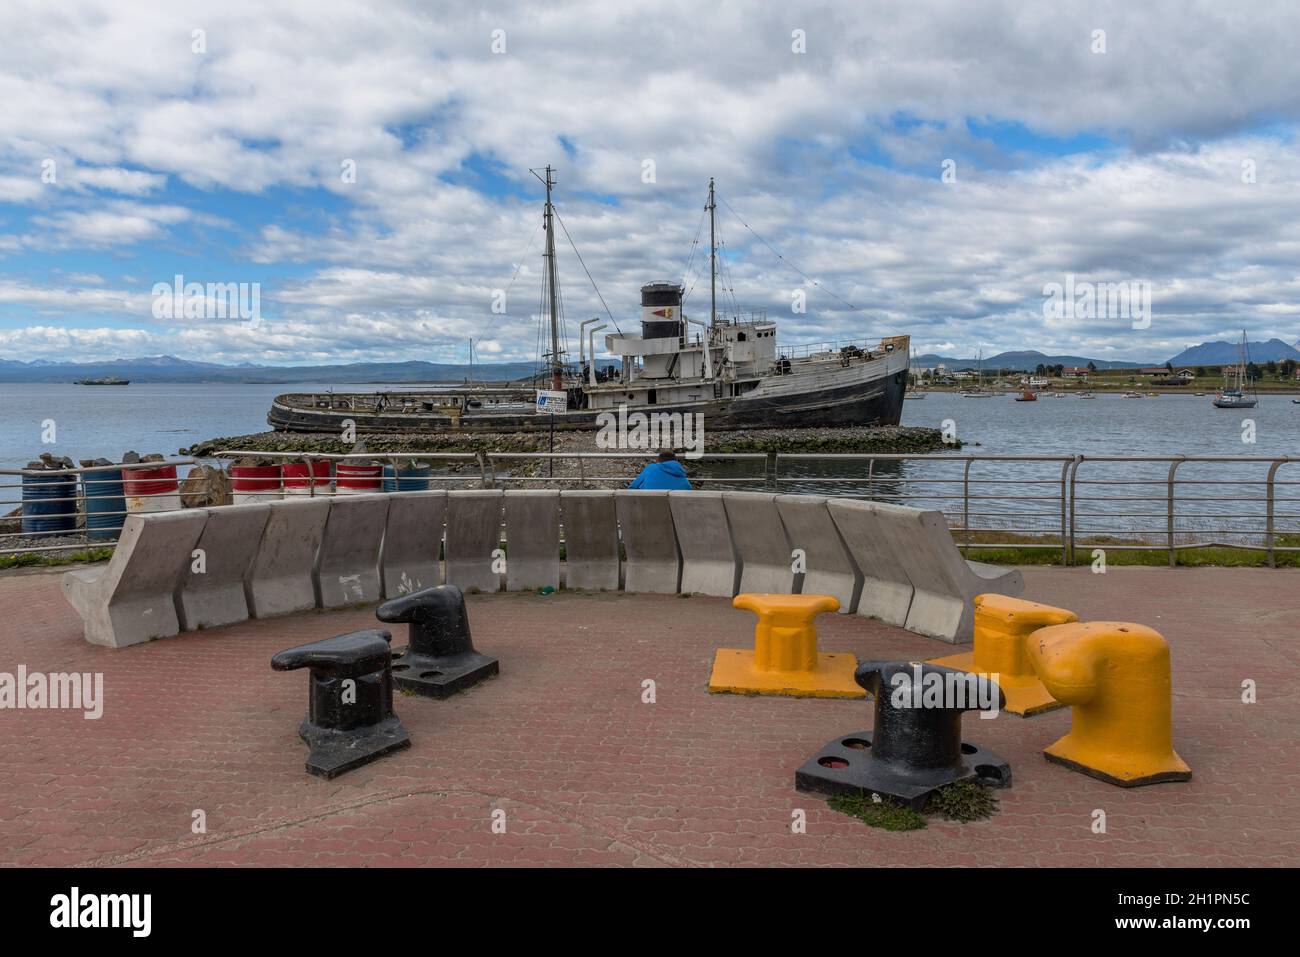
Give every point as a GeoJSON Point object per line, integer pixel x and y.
{"type": "Point", "coordinates": [873, 402]}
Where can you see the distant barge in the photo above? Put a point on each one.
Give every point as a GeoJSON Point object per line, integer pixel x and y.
{"type": "Point", "coordinates": [105, 380]}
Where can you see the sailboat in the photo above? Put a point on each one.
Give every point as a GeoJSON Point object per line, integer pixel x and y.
{"type": "Point", "coordinates": [1235, 397]}
{"type": "Point", "coordinates": [978, 392]}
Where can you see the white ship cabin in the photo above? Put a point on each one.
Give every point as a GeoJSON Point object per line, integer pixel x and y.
{"type": "Point", "coordinates": [670, 362]}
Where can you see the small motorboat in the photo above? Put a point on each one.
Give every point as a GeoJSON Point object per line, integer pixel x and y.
{"type": "Point", "coordinates": [1026, 396]}
{"type": "Point", "coordinates": [1132, 395]}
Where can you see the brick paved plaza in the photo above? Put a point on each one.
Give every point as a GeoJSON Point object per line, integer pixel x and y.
{"type": "Point", "coordinates": [588, 774]}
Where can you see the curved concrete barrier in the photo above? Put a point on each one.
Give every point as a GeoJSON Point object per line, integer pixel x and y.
{"type": "Point", "coordinates": [829, 568]}
{"type": "Point", "coordinates": [897, 564]}
{"type": "Point", "coordinates": [762, 546]}
{"type": "Point", "coordinates": [473, 534]}
{"type": "Point", "coordinates": [211, 592]}
{"type": "Point", "coordinates": [347, 566]}
{"type": "Point", "coordinates": [281, 579]}
{"type": "Point", "coordinates": [943, 605]}
{"type": "Point", "coordinates": [532, 539]}
{"type": "Point", "coordinates": [886, 592]}
{"type": "Point", "coordinates": [408, 561]}
{"type": "Point", "coordinates": [709, 565]}
{"type": "Point", "coordinates": [590, 540]}
{"type": "Point", "coordinates": [653, 561]}
{"type": "Point", "coordinates": [132, 598]}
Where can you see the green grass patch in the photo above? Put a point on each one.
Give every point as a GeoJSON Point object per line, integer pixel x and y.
{"type": "Point", "coordinates": [41, 559]}
{"type": "Point", "coordinates": [881, 814]}
{"type": "Point", "coordinates": [963, 801]}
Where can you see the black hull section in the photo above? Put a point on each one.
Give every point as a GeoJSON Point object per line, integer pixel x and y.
{"type": "Point", "coordinates": [876, 403]}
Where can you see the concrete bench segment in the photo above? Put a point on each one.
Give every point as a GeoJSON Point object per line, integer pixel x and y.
{"type": "Point", "coordinates": [132, 598]}
{"type": "Point", "coordinates": [653, 560]}
{"type": "Point", "coordinates": [709, 565]}
{"type": "Point", "coordinates": [347, 566]}
{"type": "Point", "coordinates": [886, 592]}
{"type": "Point", "coordinates": [829, 568]}
{"type": "Point", "coordinates": [473, 534]}
{"type": "Point", "coordinates": [762, 546]}
{"type": "Point", "coordinates": [591, 540]}
{"type": "Point", "coordinates": [412, 542]}
{"type": "Point", "coordinates": [943, 605]}
{"type": "Point", "coordinates": [211, 591]}
{"type": "Point", "coordinates": [532, 539]}
{"type": "Point", "coordinates": [281, 579]}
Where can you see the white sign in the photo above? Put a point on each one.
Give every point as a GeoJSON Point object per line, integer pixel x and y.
{"type": "Point", "coordinates": [551, 402]}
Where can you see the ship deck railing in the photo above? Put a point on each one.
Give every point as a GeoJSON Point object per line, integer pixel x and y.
{"type": "Point", "coordinates": [1068, 504]}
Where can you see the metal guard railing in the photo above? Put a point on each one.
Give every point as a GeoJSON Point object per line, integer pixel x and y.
{"type": "Point", "coordinates": [1052, 502]}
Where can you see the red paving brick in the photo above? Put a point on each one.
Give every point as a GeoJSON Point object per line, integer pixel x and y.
{"type": "Point", "coordinates": [587, 774]}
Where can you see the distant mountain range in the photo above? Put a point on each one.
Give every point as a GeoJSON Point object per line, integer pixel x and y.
{"type": "Point", "coordinates": [1021, 360]}
{"type": "Point", "coordinates": [1225, 353]}
{"type": "Point", "coordinates": [172, 369]}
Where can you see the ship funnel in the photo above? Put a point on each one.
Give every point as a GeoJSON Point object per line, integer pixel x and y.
{"type": "Point", "coordinates": [661, 311]}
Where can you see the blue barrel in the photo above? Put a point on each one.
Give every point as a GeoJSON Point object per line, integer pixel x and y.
{"type": "Point", "coordinates": [407, 478]}
{"type": "Point", "coordinates": [49, 502]}
{"type": "Point", "coordinates": [105, 503]}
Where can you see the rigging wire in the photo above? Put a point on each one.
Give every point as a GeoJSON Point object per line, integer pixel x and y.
{"type": "Point", "coordinates": [520, 265]}
{"type": "Point", "coordinates": [790, 264]}
{"type": "Point", "coordinates": [574, 246]}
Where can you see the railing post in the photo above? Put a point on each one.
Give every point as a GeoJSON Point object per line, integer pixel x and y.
{"type": "Point", "coordinates": [965, 501]}
{"type": "Point", "coordinates": [1268, 527]}
{"type": "Point", "coordinates": [1169, 511]}
{"type": "Point", "coordinates": [1074, 490]}
{"type": "Point", "coordinates": [1065, 545]}
{"type": "Point", "coordinates": [582, 472]}
{"type": "Point", "coordinates": [770, 463]}
{"type": "Point", "coordinates": [482, 471]}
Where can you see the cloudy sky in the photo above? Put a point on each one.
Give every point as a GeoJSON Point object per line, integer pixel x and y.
{"type": "Point", "coordinates": [217, 141]}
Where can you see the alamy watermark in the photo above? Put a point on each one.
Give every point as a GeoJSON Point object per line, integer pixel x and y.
{"type": "Point", "coordinates": [1075, 299]}
{"type": "Point", "coordinates": [962, 690]}
{"type": "Point", "coordinates": [37, 691]}
{"type": "Point", "coordinates": [640, 431]}
{"type": "Point", "coordinates": [215, 300]}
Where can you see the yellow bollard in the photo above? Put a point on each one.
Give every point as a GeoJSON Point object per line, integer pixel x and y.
{"type": "Point", "coordinates": [785, 660]}
{"type": "Point", "coordinates": [1002, 629]}
{"type": "Point", "coordinates": [1116, 677]}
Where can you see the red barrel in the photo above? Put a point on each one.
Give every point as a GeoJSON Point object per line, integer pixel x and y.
{"type": "Point", "coordinates": [358, 478]}
{"type": "Point", "coordinates": [156, 481]}
{"type": "Point", "coordinates": [255, 480]}
{"type": "Point", "coordinates": [151, 489]}
{"type": "Point", "coordinates": [299, 476]}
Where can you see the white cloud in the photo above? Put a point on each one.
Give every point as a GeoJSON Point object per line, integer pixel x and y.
{"type": "Point", "coordinates": [284, 95]}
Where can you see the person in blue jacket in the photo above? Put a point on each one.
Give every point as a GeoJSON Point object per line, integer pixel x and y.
{"type": "Point", "coordinates": [666, 472]}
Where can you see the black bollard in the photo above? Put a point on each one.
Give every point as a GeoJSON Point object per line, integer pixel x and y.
{"type": "Point", "coordinates": [915, 746]}
{"type": "Point", "coordinates": [350, 719]}
{"type": "Point", "coordinates": [440, 659]}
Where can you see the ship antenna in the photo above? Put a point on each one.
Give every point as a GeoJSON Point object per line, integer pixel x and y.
{"type": "Point", "coordinates": [713, 261]}
{"type": "Point", "coordinates": [557, 370]}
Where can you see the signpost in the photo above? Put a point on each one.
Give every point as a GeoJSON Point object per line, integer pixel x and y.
{"type": "Point", "coordinates": [551, 401]}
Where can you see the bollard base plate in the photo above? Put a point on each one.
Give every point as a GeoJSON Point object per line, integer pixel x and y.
{"type": "Point", "coordinates": [334, 752]}
{"type": "Point", "coordinates": [1025, 694]}
{"type": "Point", "coordinates": [442, 676]}
{"type": "Point", "coordinates": [734, 673]}
{"type": "Point", "coordinates": [846, 766]}
{"type": "Point", "coordinates": [1160, 772]}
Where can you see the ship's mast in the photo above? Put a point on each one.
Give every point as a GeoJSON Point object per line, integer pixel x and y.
{"type": "Point", "coordinates": [557, 368]}
{"type": "Point", "coordinates": [713, 262]}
